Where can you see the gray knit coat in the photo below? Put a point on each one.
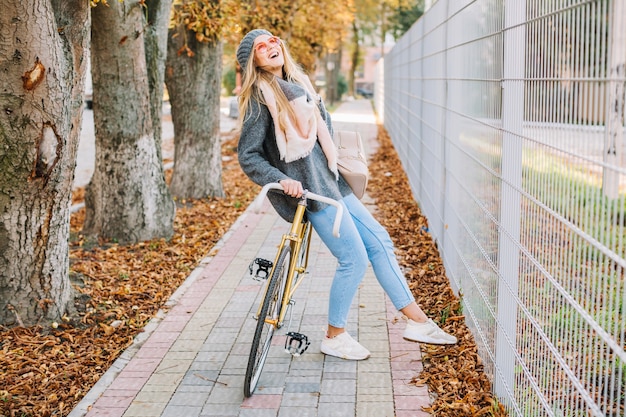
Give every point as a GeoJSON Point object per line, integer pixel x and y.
{"type": "Point", "coordinates": [260, 159]}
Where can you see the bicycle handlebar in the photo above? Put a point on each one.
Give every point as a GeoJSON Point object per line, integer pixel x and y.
{"type": "Point", "coordinates": [258, 202]}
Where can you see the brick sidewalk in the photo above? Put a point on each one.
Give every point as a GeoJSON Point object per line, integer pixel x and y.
{"type": "Point", "coordinates": [191, 361]}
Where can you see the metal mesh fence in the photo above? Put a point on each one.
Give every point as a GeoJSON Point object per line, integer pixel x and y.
{"type": "Point", "coordinates": [508, 117]}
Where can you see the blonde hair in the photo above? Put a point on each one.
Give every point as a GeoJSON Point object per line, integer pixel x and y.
{"type": "Point", "coordinates": [252, 74]}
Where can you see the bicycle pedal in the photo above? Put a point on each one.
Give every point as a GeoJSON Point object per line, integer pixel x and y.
{"type": "Point", "coordinates": [296, 343]}
{"type": "Point", "coordinates": [263, 268]}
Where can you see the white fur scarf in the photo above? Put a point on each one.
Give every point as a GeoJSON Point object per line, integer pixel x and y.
{"type": "Point", "coordinates": [298, 139]}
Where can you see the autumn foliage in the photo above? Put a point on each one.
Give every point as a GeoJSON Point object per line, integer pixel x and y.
{"type": "Point", "coordinates": [308, 28]}
{"type": "Point", "coordinates": [454, 373]}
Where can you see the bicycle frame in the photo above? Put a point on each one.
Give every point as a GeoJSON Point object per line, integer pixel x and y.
{"type": "Point", "coordinates": [295, 239]}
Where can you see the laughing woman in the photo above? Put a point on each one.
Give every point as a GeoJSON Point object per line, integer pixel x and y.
{"type": "Point", "coordinates": [286, 137]}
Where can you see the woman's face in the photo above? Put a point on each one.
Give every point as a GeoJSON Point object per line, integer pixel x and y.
{"type": "Point", "coordinates": [268, 54]}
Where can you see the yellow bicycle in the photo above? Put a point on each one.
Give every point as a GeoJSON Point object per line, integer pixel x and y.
{"type": "Point", "coordinates": [284, 276]}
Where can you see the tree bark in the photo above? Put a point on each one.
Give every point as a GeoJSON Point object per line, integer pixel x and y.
{"type": "Point", "coordinates": [155, 41]}
{"type": "Point", "coordinates": [333, 63]}
{"type": "Point", "coordinates": [194, 85]}
{"type": "Point", "coordinates": [354, 58]}
{"type": "Point", "coordinates": [127, 199]}
{"type": "Point", "coordinates": [42, 71]}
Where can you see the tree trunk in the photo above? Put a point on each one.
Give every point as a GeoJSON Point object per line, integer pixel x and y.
{"type": "Point", "coordinates": [332, 77]}
{"type": "Point", "coordinates": [42, 78]}
{"type": "Point", "coordinates": [127, 199]}
{"type": "Point", "coordinates": [194, 85]}
{"type": "Point", "coordinates": [354, 59]}
{"type": "Point", "coordinates": [155, 41]}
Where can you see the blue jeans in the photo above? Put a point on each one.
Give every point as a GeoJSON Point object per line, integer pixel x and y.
{"type": "Point", "coordinates": [362, 240]}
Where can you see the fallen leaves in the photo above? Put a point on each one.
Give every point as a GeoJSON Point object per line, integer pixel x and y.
{"type": "Point", "coordinates": [47, 371]}
{"type": "Point", "coordinates": [454, 374]}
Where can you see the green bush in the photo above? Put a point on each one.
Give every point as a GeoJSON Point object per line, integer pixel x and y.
{"type": "Point", "coordinates": [342, 86]}
{"type": "Point", "coordinates": [229, 81]}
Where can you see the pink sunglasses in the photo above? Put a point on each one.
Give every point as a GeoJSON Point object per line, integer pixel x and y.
{"type": "Point", "coordinates": [262, 47]}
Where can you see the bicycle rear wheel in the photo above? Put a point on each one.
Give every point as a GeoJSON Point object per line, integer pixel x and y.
{"type": "Point", "coordinates": [264, 332]}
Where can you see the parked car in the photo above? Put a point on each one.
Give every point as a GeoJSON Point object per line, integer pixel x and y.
{"type": "Point", "coordinates": [364, 93]}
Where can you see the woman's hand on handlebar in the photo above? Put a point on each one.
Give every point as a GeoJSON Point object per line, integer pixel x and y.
{"type": "Point", "coordinates": [292, 188]}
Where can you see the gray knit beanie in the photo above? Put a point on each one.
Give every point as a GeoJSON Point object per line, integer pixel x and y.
{"type": "Point", "coordinates": [245, 46]}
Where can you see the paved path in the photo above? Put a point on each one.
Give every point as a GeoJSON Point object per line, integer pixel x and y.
{"type": "Point", "coordinates": [191, 361]}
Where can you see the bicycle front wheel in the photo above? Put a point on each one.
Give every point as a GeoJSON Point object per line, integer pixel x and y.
{"type": "Point", "coordinates": [267, 321]}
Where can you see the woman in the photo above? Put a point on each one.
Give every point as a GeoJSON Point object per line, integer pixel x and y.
{"type": "Point", "coordinates": [286, 137]}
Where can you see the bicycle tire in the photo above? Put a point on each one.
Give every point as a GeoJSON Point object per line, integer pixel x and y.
{"type": "Point", "coordinates": [264, 332]}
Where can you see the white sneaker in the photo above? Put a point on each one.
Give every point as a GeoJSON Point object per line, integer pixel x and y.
{"type": "Point", "coordinates": [427, 332]}
{"type": "Point", "coordinates": [345, 347]}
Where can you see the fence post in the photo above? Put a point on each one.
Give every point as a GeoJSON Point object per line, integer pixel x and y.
{"type": "Point", "coordinates": [514, 38]}
{"type": "Point", "coordinates": [614, 140]}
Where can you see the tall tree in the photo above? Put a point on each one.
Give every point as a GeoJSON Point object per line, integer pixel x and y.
{"type": "Point", "coordinates": [355, 56]}
{"type": "Point", "coordinates": [366, 19]}
{"type": "Point", "coordinates": [322, 27]}
{"type": "Point", "coordinates": [382, 17]}
{"type": "Point", "coordinates": [127, 199]}
{"type": "Point", "coordinates": [194, 77]}
{"type": "Point", "coordinates": [155, 40]}
{"type": "Point", "coordinates": [42, 71]}
{"type": "Point", "coordinates": [403, 17]}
